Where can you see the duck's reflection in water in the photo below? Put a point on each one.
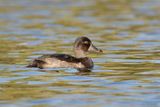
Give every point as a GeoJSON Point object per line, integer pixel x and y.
{"type": "Point", "coordinates": [81, 71]}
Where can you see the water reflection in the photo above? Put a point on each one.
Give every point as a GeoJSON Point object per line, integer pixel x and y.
{"type": "Point", "coordinates": [126, 74]}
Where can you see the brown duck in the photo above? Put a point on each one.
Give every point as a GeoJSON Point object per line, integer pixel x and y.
{"type": "Point", "coordinates": [79, 61]}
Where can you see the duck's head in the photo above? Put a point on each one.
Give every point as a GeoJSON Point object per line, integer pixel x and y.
{"type": "Point", "coordinates": [84, 44]}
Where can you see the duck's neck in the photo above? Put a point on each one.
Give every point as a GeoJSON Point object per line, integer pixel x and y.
{"type": "Point", "coordinates": [79, 53]}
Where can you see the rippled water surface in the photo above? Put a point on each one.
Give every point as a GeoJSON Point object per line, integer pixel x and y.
{"type": "Point", "coordinates": [127, 73]}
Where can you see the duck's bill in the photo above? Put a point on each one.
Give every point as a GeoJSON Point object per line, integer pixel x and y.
{"type": "Point", "coordinates": [92, 48]}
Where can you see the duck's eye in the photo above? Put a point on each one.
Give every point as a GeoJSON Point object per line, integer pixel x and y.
{"type": "Point", "coordinates": [86, 42]}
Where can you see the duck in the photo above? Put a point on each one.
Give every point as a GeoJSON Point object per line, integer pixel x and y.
{"type": "Point", "coordinates": [82, 46]}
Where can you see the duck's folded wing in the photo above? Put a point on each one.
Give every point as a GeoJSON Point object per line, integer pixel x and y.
{"type": "Point", "coordinates": [56, 60]}
{"type": "Point", "coordinates": [62, 57]}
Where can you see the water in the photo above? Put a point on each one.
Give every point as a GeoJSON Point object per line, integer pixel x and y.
{"type": "Point", "coordinates": [127, 73]}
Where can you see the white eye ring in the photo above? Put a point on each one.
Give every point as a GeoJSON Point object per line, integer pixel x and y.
{"type": "Point", "coordinates": [86, 42]}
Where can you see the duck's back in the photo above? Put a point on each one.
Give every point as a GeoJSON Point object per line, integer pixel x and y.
{"type": "Point", "coordinates": [58, 60]}
{"type": "Point", "coordinates": [61, 57]}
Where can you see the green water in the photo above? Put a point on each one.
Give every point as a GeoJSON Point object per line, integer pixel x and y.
{"type": "Point", "coordinates": [126, 74]}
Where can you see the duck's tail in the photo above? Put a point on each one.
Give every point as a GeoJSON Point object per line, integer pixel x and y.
{"type": "Point", "coordinates": [33, 64]}
{"type": "Point", "coordinates": [36, 63]}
